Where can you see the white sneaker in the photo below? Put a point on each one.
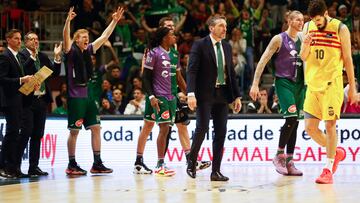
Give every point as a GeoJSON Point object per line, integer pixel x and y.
{"type": "Point", "coordinates": [164, 171]}
{"type": "Point", "coordinates": [141, 168]}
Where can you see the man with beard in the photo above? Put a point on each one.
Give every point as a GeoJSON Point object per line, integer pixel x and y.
{"type": "Point", "coordinates": [326, 50]}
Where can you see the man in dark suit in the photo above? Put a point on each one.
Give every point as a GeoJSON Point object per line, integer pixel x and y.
{"type": "Point", "coordinates": [211, 86]}
{"type": "Point", "coordinates": [35, 105]}
{"type": "Point", "coordinates": [12, 76]}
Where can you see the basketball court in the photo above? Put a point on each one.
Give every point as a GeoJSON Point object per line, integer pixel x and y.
{"type": "Point", "coordinates": [248, 183]}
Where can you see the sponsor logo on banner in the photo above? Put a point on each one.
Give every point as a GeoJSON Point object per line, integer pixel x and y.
{"type": "Point", "coordinates": [292, 109]}
{"type": "Point", "coordinates": [165, 115]}
{"type": "Point", "coordinates": [247, 141]}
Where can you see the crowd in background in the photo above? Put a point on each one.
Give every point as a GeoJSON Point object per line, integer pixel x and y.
{"type": "Point", "coordinates": [116, 82]}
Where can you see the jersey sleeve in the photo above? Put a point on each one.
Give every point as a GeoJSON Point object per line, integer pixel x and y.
{"type": "Point", "coordinates": [90, 49]}
{"type": "Point", "coordinates": [150, 60]}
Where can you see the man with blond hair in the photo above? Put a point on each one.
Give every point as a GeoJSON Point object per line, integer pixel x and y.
{"type": "Point", "coordinates": [82, 110]}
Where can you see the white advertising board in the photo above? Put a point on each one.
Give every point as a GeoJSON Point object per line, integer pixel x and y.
{"type": "Point", "coordinates": [247, 141]}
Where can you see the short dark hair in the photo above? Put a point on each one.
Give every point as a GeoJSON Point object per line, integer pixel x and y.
{"type": "Point", "coordinates": [212, 20]}
{"type": "Point", "coordinates": [162, 20]}
{"type": "Point", "coordinates": [11, 33]}
{"type": "Point", "coordinates": [316, 7]}
{"type": "Point", "coordinates": [137, 88]}
{"type": "Point", "coordinates": [115, 67]}
{"type": "Point", "coordinates": [262, 89]}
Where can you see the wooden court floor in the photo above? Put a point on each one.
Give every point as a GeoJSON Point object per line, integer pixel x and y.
{"type": "Point", "coordinates": [248, 183]}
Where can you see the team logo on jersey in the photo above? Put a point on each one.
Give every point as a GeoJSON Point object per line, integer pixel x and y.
{"type": "Point", "coordinates": [291, 45]}
{"type": "Point", "coordinates": [292, 109]}
{"type": "Point", "coordinates": [153, 116]}
{"type": "Point", "coordinates": [328, 35]}
{"type": "Point", "coordinates": [293, 53]}
{"type": "Point", "coordinates": [165, 115]}
{"type": "Point", "coordinates": [165, 73]}
{"type": "Point", "coordinates": [148, 59]}
{"type": "Point", "coordinates": [79, 122]}
{"type": "Point", "coordinates": [331, 111]}
{"type": "Point", "coordinates": [166, 63]}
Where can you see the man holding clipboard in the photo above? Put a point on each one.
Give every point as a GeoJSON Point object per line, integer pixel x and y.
{"type": "Point", "coordinates": [35, 104]}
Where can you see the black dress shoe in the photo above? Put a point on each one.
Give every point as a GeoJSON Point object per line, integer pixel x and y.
{"type": "Point", "coordinates": [3, 173]}
{"type": "Point", "coordinates": [34, 172]}
{"type": "Point", "coordinates": [19, 174]}
{"type": "Point", "coordinates": [217, 176]}
{"type": "Point", "coordinates": [191, 169]}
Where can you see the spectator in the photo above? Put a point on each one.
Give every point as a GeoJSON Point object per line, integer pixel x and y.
{"type": "Point", "coordinates": [332, 11]}
{"type": "Point", "coordinates": [139, 44]}
{"type": "Point", "coordinates": [61, 110]}
{"type": "Point", "coordinates": [115, 79]}
{"type": "Point", "coordinates": [123, 36]}
{"type": "Point", "coordinates": [239, 62]}
{"type": "Point", "coordinates": [246, 26]}
{"type": "Point", "coordinates": [15, 17]}
{"type": "Point", "coordinates": [278, 10]}
{"type": "Point", "coordinates": [63, 90]}
{"type": "Point", "coordinates": [88, 18]}
{"type": "Point", "coordinates": [355, 19]}
{"type": "Point", "coordinates": [106, 90]}
{"type": "Point", "coordinates": [255, 8]}
{"type": "Point", "coordinates": [262, 105]}
{"type": "Point", "coordinates": [344, 16]}
{"type": "Point", "coordinates": [185, 46]}
{"type": "Point", "coordinates": [95, 83]}
{"type": "Point", "coordinates": [264, 28]}
{"type": "Point", "coordinates": [136, 84]}
{"type": "Point", "coordinates": [118, 101]}
{"type": "Point", "coordinates": [232, 11]}
{"type": "Point", "coordinates": [200, 15]}
{"type": "Point", "coordinates": [107, 108]}
{"type": "Point", "coordinates": [238, 44]}
{"type": "Point", "coordinates": [137, 105]}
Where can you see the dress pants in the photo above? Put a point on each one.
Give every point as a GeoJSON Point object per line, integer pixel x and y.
{"type": "Point", "coordinates": [10, 142]}
{"type": "Point", "coordinates": [217, 108]}
{"type": "Point", "coordinates": [33, 119]}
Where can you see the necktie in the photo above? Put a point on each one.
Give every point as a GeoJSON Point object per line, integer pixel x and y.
{"type": "Point", "coordinates": [20, 64]}
{"type": "Point", "coordinates": [37, 65]}
{"type": "Point", "coordinates": [220, 64]}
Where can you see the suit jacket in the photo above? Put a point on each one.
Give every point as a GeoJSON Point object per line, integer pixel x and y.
{"type": "Point", "coordinates": [30, 69]}
{"type": "Point", "coordinates": [10, 73]}
{"type": "Point", "coordinates": [202, 71]}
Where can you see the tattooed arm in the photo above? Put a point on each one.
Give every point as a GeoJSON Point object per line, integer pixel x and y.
{"type": "Point", "coordinates": [273, 47]}
{"type": "Point", "coordinates": [305, 45]}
